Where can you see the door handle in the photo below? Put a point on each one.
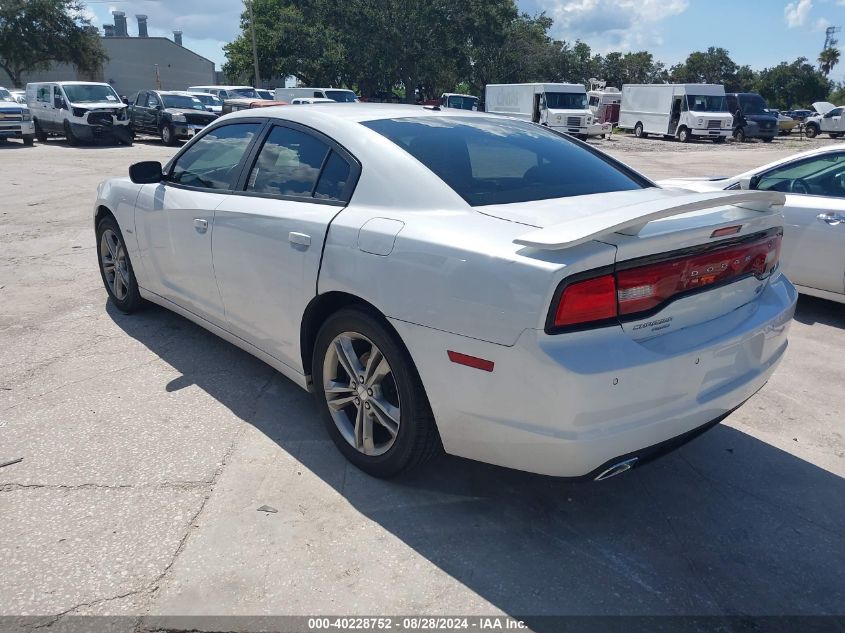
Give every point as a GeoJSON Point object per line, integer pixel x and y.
{"type": "Point", "coordinates": [200, 225]}
{"type": "Point", "coordinates": [831, 219]}
{"type": "Point", "coordinates": [300, 239]}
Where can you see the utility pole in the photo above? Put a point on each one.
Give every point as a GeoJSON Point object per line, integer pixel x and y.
{"type": "Point", "coordinates": [254, 46]}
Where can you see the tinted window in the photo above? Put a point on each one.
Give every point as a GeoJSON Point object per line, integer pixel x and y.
{"type": "Point", "coordinates": [212, 161]}
{"type": "Point", "coordinates": [833, 113]}
{"type": "Point", "coordinates": [288, 165]}
{"type": "Point", "coordinates": [152, 100]}
{"type": "Point", "coordinates": [43, 94]}
{"type": "Point", "coordinates": [343, 96]}
{"type": "Point", "coordinates": [333, 179]}
{"type": "Point", "coordinates": [184, 102]}
{"type": "Point", "coordinates": [500, 161]}
{"type": "Point", "coordinates": [819, 176]}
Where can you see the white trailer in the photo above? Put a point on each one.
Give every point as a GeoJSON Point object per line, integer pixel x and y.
{"type": "Point", "coordinates": [562, 107]}
{"type": "Point", "coordinates": [682, 111]}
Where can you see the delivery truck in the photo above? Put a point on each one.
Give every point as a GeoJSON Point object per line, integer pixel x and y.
{"type": "Point", "coordinates": [562, 107]}
{"type": "Point", "coordinates": [681, 111]}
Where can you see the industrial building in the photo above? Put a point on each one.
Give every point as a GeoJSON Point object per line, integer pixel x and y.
{"type": "Point", "coordinates": [136, 63]}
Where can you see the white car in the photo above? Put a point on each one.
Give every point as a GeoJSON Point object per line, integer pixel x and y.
{"type": "Point", "coordinates": [306, 100]}
{"type": "Point", "coordinates": [830, 120]}
{"type": "Point", "coordinates": [456, 278]}
{"type": "Point", "coordinates": [813, 255]}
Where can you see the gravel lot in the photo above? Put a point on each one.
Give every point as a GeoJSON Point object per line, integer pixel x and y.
{"type": "Point", "coordinates": [148, 445]}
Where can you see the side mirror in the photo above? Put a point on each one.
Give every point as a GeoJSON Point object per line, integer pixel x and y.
{"type": "Point", "coordinates": [159, 107]}
{"type": "Point", "coordinates": [749, 183]}
{"type": "Point", "coordinates": [146, 173]}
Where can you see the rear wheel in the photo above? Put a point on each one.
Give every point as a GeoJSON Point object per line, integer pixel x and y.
{"type": "Point", "coordinates": [639, 132]}
{"type": "Point", "coordinates": [812, 130]}
{"type": "Point", "coordinates": [40, 134]}
{"type": "Point", "coordinates": [116, 268]}
{"type": "Point", "coordinates": [370, 395]}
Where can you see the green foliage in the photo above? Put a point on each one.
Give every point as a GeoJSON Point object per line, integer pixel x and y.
{"type": "Point", "coordinates": [828, 58]}
{"type": "Point", "coordinates": [788, 86]}
{"type": "Point", "coordinates": [37, 33]}
{"type": "Point", "coordinates": [837, 94]}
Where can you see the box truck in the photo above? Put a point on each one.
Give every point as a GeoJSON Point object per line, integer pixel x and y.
{"type": "Point", "coordinates": [682, 111]}
{"type": "Point", "coordinates": [562, 107]}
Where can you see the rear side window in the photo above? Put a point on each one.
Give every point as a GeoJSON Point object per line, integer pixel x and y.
{"type": "Point", "coordinates": [333, 180]}
{"type": "Point", "coordinates": [288, 164]}
{"type": "Point", "coordinates": [212, 161]}
{"type": "Point", "coordinates": [501, 161]}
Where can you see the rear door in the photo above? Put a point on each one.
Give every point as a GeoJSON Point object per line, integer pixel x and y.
{"type": "Point", "coordinates": [813, 252]}
{"type": "Point", "coordinates": [268, 238]}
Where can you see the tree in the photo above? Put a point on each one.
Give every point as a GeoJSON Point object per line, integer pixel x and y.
{"type": "Point", "coordinates": [631, 68]}
{"type": "Point", "coordinates": [713, 66]}
{"type": "Point", "coordinates": [790, 85]}
{"type": "Point", "coordinates": [37, 33]}
{"type": "Point", "coordinates": [828, 58]}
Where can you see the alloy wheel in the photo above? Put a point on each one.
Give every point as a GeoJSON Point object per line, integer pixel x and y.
{"type": "Point", "coordinates": [115, 264]}
{"type": "Point", "coordinates": [361, 393]}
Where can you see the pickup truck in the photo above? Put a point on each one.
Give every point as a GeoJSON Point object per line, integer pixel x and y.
{"type": "Point", "coordinates": [170, 115]}
{"type": "Point", "coordinates": [830, 120]}
{"type": "Point", "coordinates": [15, 119]}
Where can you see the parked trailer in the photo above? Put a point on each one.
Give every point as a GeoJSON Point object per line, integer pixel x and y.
{"type": "Point", "coordinates": [562, 107]}
{"type": "Point", "coordinates": [604, 101]}
{"type": "Point", "coordinates": [682, 111]}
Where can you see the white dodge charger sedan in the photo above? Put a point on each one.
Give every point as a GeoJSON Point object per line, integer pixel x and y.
{"type": "Point", "coordinates": [460, 281]}
{"type": "Point", "coordinates": [813, 254]}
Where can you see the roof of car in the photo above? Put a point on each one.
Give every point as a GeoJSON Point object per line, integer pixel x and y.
{"type": "Point", "coordinates": [172, 92]}
{"type": "Point", "coordinates": [356, 112]}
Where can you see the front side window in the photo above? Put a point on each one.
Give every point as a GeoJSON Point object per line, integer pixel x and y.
{"type": "Point", "coordinates": [246, 93]}
{"type": "Point", "coordinates": [819, 176]}
{"type": "Point", "coordinates": [152, 101]}
{"type": "Point", "coordinates": [752, 104]}
{"type": "Point", "coordinates": [500, 161]}
{"type": "Point", "coordinates": [212, 161]}
{"type": "Point", "coordinates": [833, 113]}
{"type": "Point", "coordinates": [90, 93]}
{"type": "Point", "coordinates": [43, 94]}
{"type": "Point", "coordinates": [288, 164]}
{"type": "Point", "coordinates": [566, 101]}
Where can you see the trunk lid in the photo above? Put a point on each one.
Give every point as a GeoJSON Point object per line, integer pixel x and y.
{"type": "Point", "coordinates": [662, 225]}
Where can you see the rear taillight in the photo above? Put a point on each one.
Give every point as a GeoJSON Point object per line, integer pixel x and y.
{"type": "Point", "coordinates": [635, 289]}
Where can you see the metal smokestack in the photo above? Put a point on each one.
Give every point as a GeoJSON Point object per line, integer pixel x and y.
{"type": "Point", "coordinates": [108, 30]}
{"type": "Point", "coordinates": [142, 25]}
{"type": "Point", "coordinates": [120, 24]}
{"type": "Point", "coordinates": [177, 37]}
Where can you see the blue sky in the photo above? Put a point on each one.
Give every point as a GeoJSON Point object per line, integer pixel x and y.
{"type": "Point", "coordinates": [756, 32]}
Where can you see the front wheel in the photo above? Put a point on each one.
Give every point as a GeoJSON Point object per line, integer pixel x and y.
{"type": "Point", "coordinates": [739, 135]}
{"type": "Point", "coordinates": [719, 139]}
{"type": "Point", "coordinates": [40, 134]}
{"type": "Point", "coordinates": [168, 135]}
{"type": "Point", "coordinates": [767, 139]}
{"type": "Point", "coordinates": [370, 395]}
{"type": "Point", "coordinates": [29, 139]}
{"type": "Point", "coordinates": [69, 135]}
{"type": "Point", "coordinates": [116, 268]}
{"type": "Point", "coordinates": [684, 135]}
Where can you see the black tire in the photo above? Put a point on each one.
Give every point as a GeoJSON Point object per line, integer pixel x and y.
{"type": "Point", "coordinates": [69, 135]}
{"type": "Point", "coordinates": [739, 135]}
{"type": "Point", "coordinates": [417, 439]}
{"type": "Point", "coordinates": [767, 139]}
{"type": "Point", "coordinates": [168, 134]}
{"type": "Point", "coordinates": [639, 132]}
{"type": "Point", "coordinates": [834, 136]}
{"type": "Point", "coordinates": [811, 131]}
{"type": "Point", "coordinates": [684, 135]}
{"type": "Point", "coordinates": [719, 139]}
{"type": "Point", "coordinates": [40, 134]}
{"type": "Point", "coordinates": [132, 302]}
{"type": "Point", "coordinates": [29, 139]}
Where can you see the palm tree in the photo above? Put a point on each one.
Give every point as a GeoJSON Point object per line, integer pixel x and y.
{"type": "Point", "coordinates": [828, 58]}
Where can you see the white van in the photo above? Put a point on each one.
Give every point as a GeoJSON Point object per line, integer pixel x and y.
{"type": "Point", "coordinates": [458, 101]}
{"type": "Point", "coordinates": [341, 95]}
{"type": "Point", "coordinates": [561, 107]}
{"type": "Point", "coordinates": [77, 110]}
{"type": "Point", "coordinates": [682, 111]}
{"type": "Point", "coordinates": [228, 92]}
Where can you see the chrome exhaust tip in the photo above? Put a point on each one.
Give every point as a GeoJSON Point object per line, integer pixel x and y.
{"type": "Point", "coordinates": [617, 469]}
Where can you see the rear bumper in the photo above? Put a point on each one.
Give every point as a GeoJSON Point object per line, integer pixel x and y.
{"type": "Point", "coordinates": [567, 405]}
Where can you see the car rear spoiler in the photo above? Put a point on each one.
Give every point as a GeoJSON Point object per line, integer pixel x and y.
{"type": "Point", "coordinates": [630, 220]}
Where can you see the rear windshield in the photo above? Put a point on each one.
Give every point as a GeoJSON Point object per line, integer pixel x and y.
{"type": "Point", "coordinates": [490, 160]}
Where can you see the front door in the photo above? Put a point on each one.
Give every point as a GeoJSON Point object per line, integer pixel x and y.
{"type": "Point", "coordinates": [175, 219]}
{"type": "Point", "coordinates": [268, 238]}
{"type": "Point", "coordinates": [813, 252]}
{"type": "Point", "coordinates": [675, 117]}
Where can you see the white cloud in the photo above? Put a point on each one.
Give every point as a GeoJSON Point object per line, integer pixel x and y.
{"type": "Point", "coordinates": [797, 13]}
{"type": "Point", "coordinates": [611, 24]}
